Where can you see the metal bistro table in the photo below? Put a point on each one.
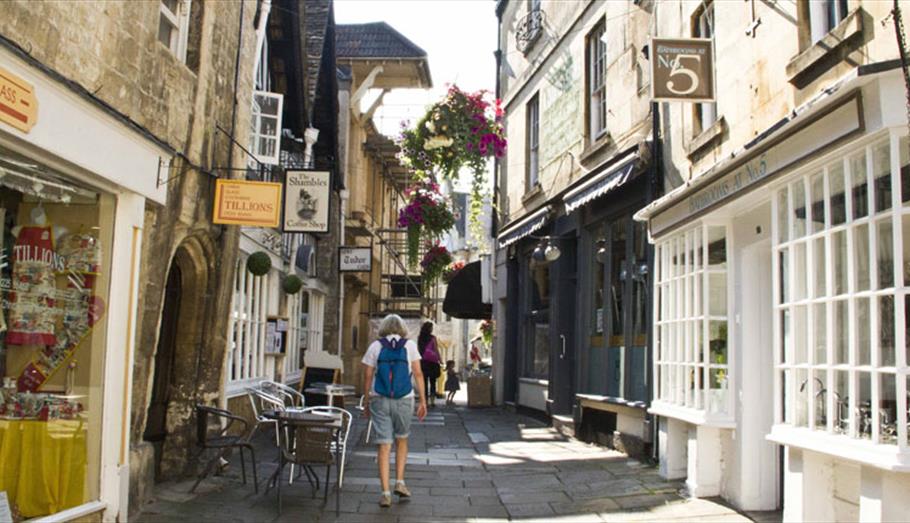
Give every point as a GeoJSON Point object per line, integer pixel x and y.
{"type": "Point", "coordinates": [293, 419]}
{"type": "Point", "coordinates": [330, 391]}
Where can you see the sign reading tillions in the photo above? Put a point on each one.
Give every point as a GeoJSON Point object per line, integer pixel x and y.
{"type": "Point", "coordinates": [682, 70]}
{"type": "Point", "coordinates": [241, 202]}
{"type": "Point", "coordinates": [18, 105]}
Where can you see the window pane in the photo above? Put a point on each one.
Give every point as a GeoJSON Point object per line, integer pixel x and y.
{"type": "Point", "coordinates": [717, 294]}
{"type": "Point", "coordinates": [861, 257]}
{"type": "Point", "coordinates": [881, 170]}
{"type": "Point", "coordinates": [887, 405]}
{"type": "Point", "coordinates": [820, 267]}
{"type": "Point", "coordinates": [841, 341]}
{"type": "Point", "coordinates": [783, 225]}
{"type": "Point", "coordinates": [821, 407]}
{"type": "Point", "coordinates": [618, 273]}
{"type": "Point", "coordinates": [787, 396]}
{"type": "Point", "coordinates": [841, 402]}
{"type": "Point", "coordinates": [786, 336]}
{"type": "Point", "coordinates": [800, 335]}
{"type": "Point", "coordinates": [784, 269]}
{"type": "Point", "coordinates": [885, 255]}
{"type": "Point", "coordinates": [718, 342]}
{"type": "Point", "coordinates": [905, 169]}
{"type": "Point", "coordinates": [801, 399]}
{"type": "Point", "coordinates": [799, 282]}
{"type": "Point", "coordinates": [839, 248]}
{"type": "Point", "coordinates": [859, 186]}
{"type": "Point", "coordinates": [817, 188]}
{"type": "Point", "coordinates": [798, 201]}
{"type": "Point", "coordinates": [864, 406]}
{"type": "Point", "coordinates": [717, 248]}
{"type": "Point", "coordinates": [863, 335]}
{"type": "Point", "coordinates": [821, 333]}
{"type": "Point", "coordinates": [837, 206]}
{"type": "Point", "coordinates": [886, 331]}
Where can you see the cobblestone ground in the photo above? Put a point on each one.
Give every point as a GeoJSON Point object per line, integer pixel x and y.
{"type": "Point", "coordinates": [464, 465]}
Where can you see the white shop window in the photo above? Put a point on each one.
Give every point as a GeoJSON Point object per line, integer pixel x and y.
{"type": "Point", "coordinates": [691, 364]}
{"type": "Point", "coordinates": [293, 360]}
{"type": "Point", "coordinates": [842, 261]}
{"type": "Point", "coordinates": [173, 26]}
{"type": "Point", "coordinates": [315, 322]}
{"type": "Point", "coordinates": [249, 310]}
{"type": "Point", "coordinates": [265, 135]}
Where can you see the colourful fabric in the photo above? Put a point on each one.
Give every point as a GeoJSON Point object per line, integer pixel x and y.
{"type": "Point", "coordinates": [33, 314]}
{"type": "Point", "coordinates": [43, 464]}
{"type": "Point", "coordinates": [81, 253]}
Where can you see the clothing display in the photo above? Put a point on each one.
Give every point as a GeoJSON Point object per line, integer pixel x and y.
{"type": "Point", "coordinates": [32, 311]}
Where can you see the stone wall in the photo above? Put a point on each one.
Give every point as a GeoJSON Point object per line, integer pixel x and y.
{"type": "Point", "coordinates": [112, 50]}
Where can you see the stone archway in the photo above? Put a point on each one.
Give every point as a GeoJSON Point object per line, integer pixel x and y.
{"type": "Point", "coordinates": [180, 352]}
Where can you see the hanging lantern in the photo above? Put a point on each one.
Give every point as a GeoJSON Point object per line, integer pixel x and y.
{"type": "Point", "coordinates": [259, 263]}
{"type": "Point", "coordinates": [292, 284]}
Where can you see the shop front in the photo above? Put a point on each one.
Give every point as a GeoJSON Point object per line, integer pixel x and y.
{"type": "Point", "coordinates": [74, 180]}
{"type": "Point", "coordinates": [781, 285]}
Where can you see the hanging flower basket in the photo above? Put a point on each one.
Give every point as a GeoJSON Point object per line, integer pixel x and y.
{"type": "Point", "coordinates": [434, 262]}
{"type": "Point", "coordinates": [259, 263]}
{"type": "Point", "coordinates": [449, 272]}
{"type": "Point", "coordinates": [487, 328]}
{"type": "Point", "coordinates": [292, 284]}
{"type": "Point", "coordinates": [427, 215]}
{"type": "Point", "coordinates": [463, 130]}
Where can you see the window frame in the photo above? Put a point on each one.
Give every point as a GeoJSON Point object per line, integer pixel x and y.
{"type": "Point", "coordinates": [702, 23]}
{"type": "Point", "coordinates": [178, 23]}
{"type": "Point", "coordinates": [596, 62]}
{"type": "Point", "coordinates": [245, 361]}
{"type": "Point", "coordinates": [256, 123]}
{"type": "Point", "coordinates": [532, 143]}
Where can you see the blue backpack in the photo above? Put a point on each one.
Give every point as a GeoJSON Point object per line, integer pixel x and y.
{"type": "Point", "coordinates": [393, 372]}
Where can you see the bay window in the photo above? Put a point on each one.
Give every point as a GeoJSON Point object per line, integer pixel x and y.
{"type": "Point", "coordinates": [841, 253]}
{"type": "Point", "coordinates": [692, 368]}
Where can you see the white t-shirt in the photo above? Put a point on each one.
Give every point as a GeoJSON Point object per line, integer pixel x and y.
{"type": "Point", "coordinates": [371, 358]}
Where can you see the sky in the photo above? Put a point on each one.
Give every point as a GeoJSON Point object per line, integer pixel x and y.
{"type": "Point", "coordinates": [459, 37]}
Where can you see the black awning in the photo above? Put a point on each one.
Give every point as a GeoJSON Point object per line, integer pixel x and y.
{"type": "Point", "coordinates": [463, 295]}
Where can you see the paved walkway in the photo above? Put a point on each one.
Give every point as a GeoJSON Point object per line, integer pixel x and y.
{"type": "Point", "coordinates": [464, 465]}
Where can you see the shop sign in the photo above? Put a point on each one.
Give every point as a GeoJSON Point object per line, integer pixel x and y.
{"type": "Point", "coordinates": [241, 202]}
{"type": "Point", "coordinates": [355, 259]}
{"type": "Point", "coordinates": [306, 201]}
{"type": "Point", "coordinates": [682, 70]}
{"type": "Point", "coordinates": [18, 105]}
{"type": "Point", "coordinates": [825, 129]}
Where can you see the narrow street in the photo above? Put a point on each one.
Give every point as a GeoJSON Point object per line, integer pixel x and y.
{"type": "Point", "coordinates": [464, 465]}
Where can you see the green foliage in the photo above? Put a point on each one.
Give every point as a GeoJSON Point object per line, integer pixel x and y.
{"type": "Point", "coordinates": [292, 284]}
{"type": "Point", "coordinates": [259, 263]}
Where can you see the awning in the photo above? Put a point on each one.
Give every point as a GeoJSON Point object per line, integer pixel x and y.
{"type": "Point", "coordinates": [601, 183]}
{"type": "Point", "coordinates": [525, 226]}
{"type": "Point", "coordinates": [463, 295]}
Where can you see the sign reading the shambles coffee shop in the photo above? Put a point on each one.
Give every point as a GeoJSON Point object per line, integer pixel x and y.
{"type": "Point", "coordinates": [355, 259]}
{"type": "Point", "coordinates": [18, 105]}
{"type": "Point", "coordinates": [306, 201]}
{"type": "Point", "coordinates": [241, 202]}
{"type": "Point", "coordinates": [682, 69]}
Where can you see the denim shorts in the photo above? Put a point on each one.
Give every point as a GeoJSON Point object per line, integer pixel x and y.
{"type": "Point", "coordinates": [391, 417]}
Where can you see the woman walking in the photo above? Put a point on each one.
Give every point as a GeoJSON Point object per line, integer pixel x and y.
{"type": "Point", "coordinates": [429, 359]}
{"type": "Point", "coordinates": [391, 365]}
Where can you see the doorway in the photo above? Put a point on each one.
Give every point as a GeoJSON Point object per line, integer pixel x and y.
{"type": "Point", "coordinates": [565, 323]}
{"type": "Point", "coordinates": [163, 377]}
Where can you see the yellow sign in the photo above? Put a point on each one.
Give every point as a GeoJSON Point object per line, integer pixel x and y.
{"type": "Point", "coordinates": [239, 202]}
{"type": "Point", "coordinates": [18, 105]}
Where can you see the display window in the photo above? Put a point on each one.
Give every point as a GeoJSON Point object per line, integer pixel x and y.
{"type": "Point", "coordinates": [692, 367]}
{"type": "Point", "coordinates": [54, 278]}
{"type": "Point", "coordinates": [842, 263]}
{"type": "Point", "coordinates": [537, 319]}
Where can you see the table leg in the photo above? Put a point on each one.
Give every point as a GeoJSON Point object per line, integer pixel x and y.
{"type": "Point", "coordinates": [338, 473]}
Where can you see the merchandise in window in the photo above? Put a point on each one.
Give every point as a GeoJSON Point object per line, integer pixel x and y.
{"type": "Point", "coordinates": [848, 383]}
{"type": "Point", "coordinates": [55, 250]}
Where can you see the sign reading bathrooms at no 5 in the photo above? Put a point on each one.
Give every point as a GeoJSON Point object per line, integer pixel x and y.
{"type": "Point", "coordinates": [306, 201]}
{"type": "Point", "coordinates": [682, 70]}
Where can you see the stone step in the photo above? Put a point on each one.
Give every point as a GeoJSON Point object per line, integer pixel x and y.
{"type": "Point", "coordinates": [565, 425]}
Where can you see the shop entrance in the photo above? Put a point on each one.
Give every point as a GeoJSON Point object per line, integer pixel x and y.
{"type": "Point", "coordinates": [565, 323]}
{"type": "Point", "coordinates": [156, 424]}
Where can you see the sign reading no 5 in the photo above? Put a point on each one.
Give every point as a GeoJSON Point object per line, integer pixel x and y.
{"type": "Point", "coordinates": [682, 70]}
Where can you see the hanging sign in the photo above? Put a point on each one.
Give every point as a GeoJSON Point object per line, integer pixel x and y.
{"type": "Point", "coordinates": [18, 105]}
{"type": "Point", "coordinates": [306, 201]}
{"type": "Point", "coordinates": [682, 70]}
{"type": "Point", "coordinates": [355, 259]}
{"type": "Point", "coordinates": [241, 202]}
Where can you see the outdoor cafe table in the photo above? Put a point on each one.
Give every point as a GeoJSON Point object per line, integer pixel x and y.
{"type": "Point", "coordinates": [330, 390]}
{"type": "Point", "coordinates": [293, 419]}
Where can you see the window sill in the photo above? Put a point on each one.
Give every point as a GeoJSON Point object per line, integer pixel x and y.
{"type": "Point", "coordinates": [887, 457]}
{"type": "Point", "coordinates": [693, 416]}
{"type": "Point", "coordinates": [534, 381]}
{"type": "Point", "coordinates": [813, 59]}
{"type": "Point", "coordinates": [621, 403]}
{"type": "Point", "coordinates": [533, 193]}
{"type": "Point", "coordinates": [708, 138]}
{"type": "Point", "coordinates": [594, 148]}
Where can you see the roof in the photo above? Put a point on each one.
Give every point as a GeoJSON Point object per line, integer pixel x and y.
{"type": "Point", "coordinates": [374, 40]}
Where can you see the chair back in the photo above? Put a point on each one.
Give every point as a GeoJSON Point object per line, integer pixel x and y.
{"type": "Point", "coordinates": [263, 401]}
{"type": "Point", "coordinates": [202, 424]}
{"type": "Point", "coordinates": [291, 396]}
{"type": "Point", "coordinates": [346, 418]}
{"type": "Point", "coordinates": [313, 445]}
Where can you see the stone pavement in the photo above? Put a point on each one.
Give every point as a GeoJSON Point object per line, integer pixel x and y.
{"type": "Point", "coordinates": [464, 465]}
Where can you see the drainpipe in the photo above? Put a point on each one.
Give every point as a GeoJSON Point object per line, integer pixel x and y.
{"type": "Point", "coordinates": [343, 195]}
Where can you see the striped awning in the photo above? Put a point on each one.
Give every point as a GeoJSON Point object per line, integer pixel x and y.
{"type": "Point", "coordinates": [601, 183]}
{"type": "Point", "coordinates": [523, 227]}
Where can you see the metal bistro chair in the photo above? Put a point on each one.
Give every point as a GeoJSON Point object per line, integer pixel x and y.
{"type": "Point", "coordinates": [222, 441]}
{"type": "Point", "coordinates": [362, 409]}
{"type": "Point", "coordinates": [346, 419]}
{"type": "Point", "coordinates": [310, 446]}
{"type": "Point", "coordinates": [262, 401]}
{"type": "Point", "coordinates": [291, 396]}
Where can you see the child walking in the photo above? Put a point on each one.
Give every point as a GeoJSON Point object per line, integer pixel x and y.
{"type": "Point", "coordinates": [452, 384]}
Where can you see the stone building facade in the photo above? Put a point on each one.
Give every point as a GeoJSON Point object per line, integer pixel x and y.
{"type": "Point", "coordinates": [175, 77]}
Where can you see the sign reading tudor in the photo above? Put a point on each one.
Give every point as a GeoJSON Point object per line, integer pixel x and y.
{"type": "Point", "coordinates": [355, 259]}
{"type": "Point", "coordinates": [682, 69]}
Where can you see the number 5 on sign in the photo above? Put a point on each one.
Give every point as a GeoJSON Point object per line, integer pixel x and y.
{"type": "Point", "coordinates": [682, 70]}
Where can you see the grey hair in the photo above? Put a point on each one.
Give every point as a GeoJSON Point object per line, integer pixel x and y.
{"type": "Point", "coordinates": [393, 324]}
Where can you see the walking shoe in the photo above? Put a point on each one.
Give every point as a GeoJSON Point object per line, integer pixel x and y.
{"type": "Point", "coordinates": [402, 490]}
{"type": "Point", "coordinates": [385, 500]}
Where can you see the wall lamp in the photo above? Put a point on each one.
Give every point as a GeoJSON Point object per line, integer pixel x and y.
{"type": "Point", "coordinates": [545, 251]}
